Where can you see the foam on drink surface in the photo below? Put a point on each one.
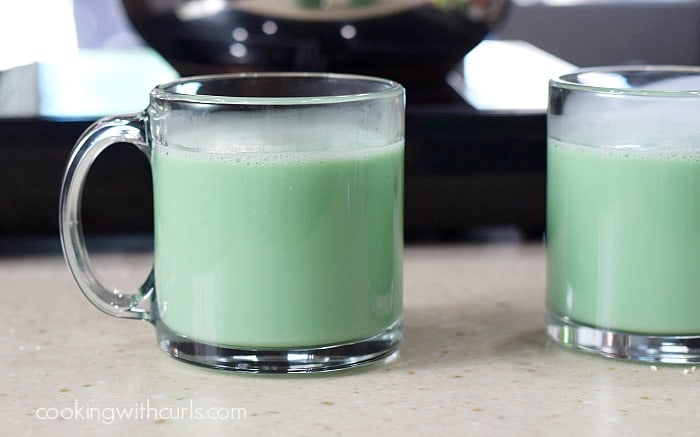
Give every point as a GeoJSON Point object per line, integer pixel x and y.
{"type": "Point", "coordinates": [263, 156]}
{"type": "Point", "coordinates": [686, 152]}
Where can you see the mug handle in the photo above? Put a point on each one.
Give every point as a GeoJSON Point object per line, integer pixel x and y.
{"type": "Point", "coordinates": [129, 128]}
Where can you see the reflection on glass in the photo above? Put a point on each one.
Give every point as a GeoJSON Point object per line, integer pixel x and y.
{"type": "Point", "coordinates": [36, 30]}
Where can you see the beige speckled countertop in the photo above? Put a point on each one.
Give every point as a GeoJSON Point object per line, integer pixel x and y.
{"type": "Point", "coordinates": [474, 359]}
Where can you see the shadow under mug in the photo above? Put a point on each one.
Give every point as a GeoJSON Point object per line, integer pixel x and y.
{"type": "Point", "coordinates": [623, 212]}
{"type": "Point", "coordinates": [278, 219]}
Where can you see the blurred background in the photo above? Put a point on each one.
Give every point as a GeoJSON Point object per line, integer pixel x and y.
{"type": "Point", "coordinates": [476, 75]}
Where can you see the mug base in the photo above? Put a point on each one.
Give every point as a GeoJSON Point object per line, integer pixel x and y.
{"type": "Point", "coordinates": [671, 349]}
{"type": "Point", "coordinates": [281, 361]}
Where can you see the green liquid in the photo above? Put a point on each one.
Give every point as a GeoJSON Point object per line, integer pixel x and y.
{"type": "Point", "coordinates": [275, 250]}
{"type": "Point", "coordinates": [623, 237]}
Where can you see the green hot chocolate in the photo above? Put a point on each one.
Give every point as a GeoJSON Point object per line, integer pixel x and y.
{"type": "Point", "coordinates": [279, 250]}
{"type": "Point", "coordinates": [623, 236]}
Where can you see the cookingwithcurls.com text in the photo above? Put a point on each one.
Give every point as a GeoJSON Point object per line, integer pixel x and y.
{"type": "Point", "coordinates": [144, 410]}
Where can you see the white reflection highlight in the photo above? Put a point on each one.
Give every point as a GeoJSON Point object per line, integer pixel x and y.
{"type": "Point", "coordinates": [240, 34]}
{"type": "Point", "coordinates": [36, 31]}
{"type": "Point", "coordinates": [508, 75]}
{"type": "Point", "coordinates": [348, 31]}
{"type": "Point", "coordinates": [604, 80]}
{"type": "Point", "coordinates": [269, 28]}
{"type": "Point", "coordinates": [238, 50]}
{"type": "Point", "coordinates": [200, 9]}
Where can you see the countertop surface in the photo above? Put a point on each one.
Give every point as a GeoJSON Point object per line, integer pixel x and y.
{"type": "Point", "coordinates": [474, 359]}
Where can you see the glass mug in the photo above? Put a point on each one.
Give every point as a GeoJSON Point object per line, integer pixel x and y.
{"type": "Point", "coordinates": [623, 212]}
{"type": "Point", "coordinates": [278, 219]}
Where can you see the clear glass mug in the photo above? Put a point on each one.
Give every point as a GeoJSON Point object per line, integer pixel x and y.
{"type": "Point", "coordinates": [623, 212]}
{"type": "Point", "coordinates": [278, 219]}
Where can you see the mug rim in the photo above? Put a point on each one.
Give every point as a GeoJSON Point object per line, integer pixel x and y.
{"type": "Point", "coordinates": [568, 80]}
{"type": "Point", "coordinates": [166, 92]}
